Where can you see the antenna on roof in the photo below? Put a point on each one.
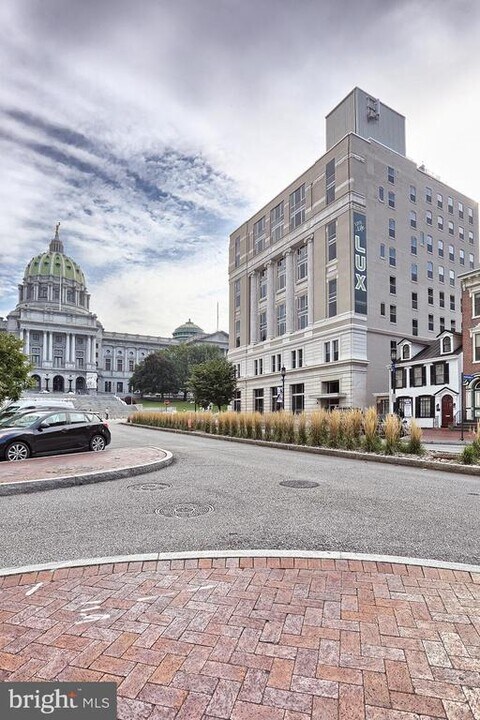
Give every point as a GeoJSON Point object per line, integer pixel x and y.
{"type": "Point", "coordinates": [218, 316]}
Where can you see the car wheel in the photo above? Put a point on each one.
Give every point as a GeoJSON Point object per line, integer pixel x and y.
{"type": "Point", "coordinates": [97, 443]}
{"type": "Point", "coordinates": [17, 451]}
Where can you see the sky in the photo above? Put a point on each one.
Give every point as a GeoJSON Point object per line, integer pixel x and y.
{"type": "Point", "coordinates": [152, 129]}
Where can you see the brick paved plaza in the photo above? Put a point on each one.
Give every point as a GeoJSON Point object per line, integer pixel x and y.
{"type": "Point", "coordinates": [273, 639]}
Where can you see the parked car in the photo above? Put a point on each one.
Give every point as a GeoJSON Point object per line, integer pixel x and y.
{"type": "Point", "coordinates": [7, 415]}
{"type": "Point", "coordinates": [60, 431]}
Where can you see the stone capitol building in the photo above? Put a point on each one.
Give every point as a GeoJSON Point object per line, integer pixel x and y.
{"type": "Point", "coordinates": [69, 348]}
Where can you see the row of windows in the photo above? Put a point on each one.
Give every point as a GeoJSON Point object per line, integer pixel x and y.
{"type": "Point", "coordinates": [431, 321]}
{"type": "Point", "coordinates": [391, 173]}
{"type": "Point", "coordinates": [277, 402]}
{"type": "Point", "coordinates": [441, 250]}
{"type": "Point", "coordinates": [296, 361]}
{"type": "Point", "coordinates": [392, 261]}
{"type": "Point", "coordinates": [446, 347]}
{"type": "Point", "coordinates": [416, 376]}
{"type": "Point", "coordinates": [108, 387]}
{"type": "Point", "coordinates": [429, 221]}
{"type": "Point", "coordinates": [119, 365]}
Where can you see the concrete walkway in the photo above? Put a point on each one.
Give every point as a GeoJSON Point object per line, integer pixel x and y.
{"type": "Point", "coordinates": [246, 638]}
{"type": "Point", "coordinates": [46, 473]}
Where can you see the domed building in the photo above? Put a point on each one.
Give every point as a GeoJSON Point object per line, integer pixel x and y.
{"type": "Point", "coordinates": [68, 346]}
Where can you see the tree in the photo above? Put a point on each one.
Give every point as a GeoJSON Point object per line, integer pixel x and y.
{"type": "Point", "coordinates": [155, 375]}
{"type": "Point", "coordinates": [14, 368]}
{"type": "Point", "coordinates": [213, 382]}
{"type": "Point", "coordinates": [186, 356]}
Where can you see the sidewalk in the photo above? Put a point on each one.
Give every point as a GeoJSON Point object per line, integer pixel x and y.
{"type": "Point", "coordinates": [45, 473]}
{"type": "Point", "coordinates": [445, 436]}
{"type": "Point", "coordinates": [277, 638]}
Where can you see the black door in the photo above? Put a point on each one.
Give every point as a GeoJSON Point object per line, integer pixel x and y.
{"type": "Point", "coordinates": [53, 436]}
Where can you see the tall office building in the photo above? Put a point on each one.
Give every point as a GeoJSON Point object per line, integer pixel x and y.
{"type": "Point", "coordinates": [360, 251]}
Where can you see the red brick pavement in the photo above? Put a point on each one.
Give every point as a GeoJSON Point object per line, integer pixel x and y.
{"type": "Point", "coordinates": [253, 638]}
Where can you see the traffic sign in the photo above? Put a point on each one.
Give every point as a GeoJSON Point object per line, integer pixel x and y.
{"type": "Point", "coordinates": [467, 378]}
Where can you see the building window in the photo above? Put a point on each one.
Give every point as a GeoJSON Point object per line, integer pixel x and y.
{"type": "Point", "coordinates": [298, 398]}
{"type": "Point", "coordinates": [262, 326]}
{"type": "Point", "coordinates": [302, 311]}
{"type": "Point", "coordinates": [414, 272]}
{"type": "Point", "coordinates": [108, 386]}
{"type": "Point", "coordinates": [237, 333]}
{"type": "Point", "coordinates": [393, 313]}
{"type": "Point", "coordinates": [236, 292]}
{"type": "Point", "coordinates": [297, 207]}
{"type": "Point", "coordinates": [441, 274]}
{"type": "Point", "coordinates": [108, 363]}
{"type": "Point", "coordinates": [276, 222]}
{"type": "Point", "coordinates": [79, 361]}
{"type": "Point", "coordinates": [470, 237]}
{"type": "Point", "coordinates": [400, 376]}
{"type": "Point", "coordinates": [330, 182]}
{"type": "Point", "coordinates": [428, 217]}
{"type": "Point", "coordinates": [392, 257]}
{"type": "Point", "coordinates": [331, 232]}
{"type": "Point", "coordinates": [430, 296]}
{"type": "Point", "coordinates": [258, 367]}
{"type": "Point", "coordinates": [470, 260]}
{"type": "Point", "coordinates": [300, 357]}
{"type": "Point", "coordinates": [418, 376]}
{"type": "Point", "coordinates": [413, 193]}
{"type": "Point", "coordinates": [43, 292]}
{"type": "Point", "coordinates": [460, 210]}
{"type": "Point", "coordinates": [447, 345]}
{"type": "Point", "coordinates": [440, 222]}
{"type": "Point", "coordinates": [429, 244]}
{"type": "Point", "coordinates": [440, 371]}
{"type": "Point", "coordinates": [281, 274]}
{"type": "Point", "coordinates": [281, 319]}
{"type": "Point", "coordinates": [237, 401]}
{"type": "Point", "coordinates": [35, 356]}
{"type": "Point", "coordinates": [430, 270]}
{"type": "Point", "coordinates": [476, 347]}
{"type": "Point", "coordinates": [476, 304]}
{"type": "Point", "coordinates": [332, 297]}
{"type": "Point", "coordinates": [391, 174]}
{"type": "Point", "coordinates": [237, 252]}
{"type": "Point", "coordinates": [413, 219]}
{"type": "Point", "coordinates": [406, 352]}
{"type": "Point", "coordinates": [382, 309]}
{"type": "Point", "coordinates": [302, 266]}
{"type": "Point", "coordinates": [382, 251]}
{"type": "Point", "coordinates": [461, 254]}
{"type": "Point", "coordinates": [70, 296]}
{"type": "Point", "coordinates": [131, 365]}
{"type": "Point", "coordinates": [451, 277]}
{"type": "Point", "coordinates": [414, 326]}
{"type": "Point", "coordinates": [258, 400]}
{"type": "Point", "coordinates": [262, 285]}
{"type": "Point", "coordinates": [119, 365]}
{"type": "Point", "coordinates": [425, 406]}
{"type": "Point", "coordinates": [119, 387]}
{"type": "Point", "coordinates": [335, 352]}
{"type": "Point", "coordinates": [381, 194]}
{"type": "Point", "coordinates": [413, 245]}
{"type": "Point", "coordinates": [451, 228]}
{"type": "Point", "coordinates": [461, 233]}
{"type": "Point", "coordinates": [428, 195]}
{"type": "Point", "coordinates": [391, 227]}
{"type": "Point", "coordinates": [441, 299]}
{"type": "Point", "coordinates": [259, 234]}
{"type": "Point", "coordinates": [451, 253]}
{"type": "Point", "coordinates": [430, 323]}
{"type": "Point", "coordinates": [452, 303]}
{"type": "Point", "coordinates": [450, 205]}
{"type": "Point", "coordinates": [391, 199]}
{"type": "Point", "coordinates": [327, 351]}
{"type": "Point", "coordinates": [440, 248]}
{"type": "Point", "coordinates": [393, 285]}
{"type": "Point", "coordinates": [442, 324]}
{"type": "Point", "coordinates": [414, 301]}
{"type": "Point", "coordinates": [439, 201]}
{"type": "Point", "coordinates": [452, 325]}
{"type": "Point", "coordinates": [470, 216]}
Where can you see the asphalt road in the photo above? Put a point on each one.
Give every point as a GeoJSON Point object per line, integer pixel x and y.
{"type": "Point", "coordinates": [357, 506]}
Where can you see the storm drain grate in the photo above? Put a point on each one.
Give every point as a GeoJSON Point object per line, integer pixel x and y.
{"type": "Point", "coordinates": [299, 484]}
{"type": "Point", "coordinates": [149, 486]}
{"type": "Point", "coordinates": [185, 510]}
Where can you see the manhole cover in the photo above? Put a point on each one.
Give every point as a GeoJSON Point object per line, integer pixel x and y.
{"type": "Point", "coordinates": [150, 486]}
{"type": "Point", "coordinates": [185, 510]}
{"type": "Point", "coordinates": [299, 484]}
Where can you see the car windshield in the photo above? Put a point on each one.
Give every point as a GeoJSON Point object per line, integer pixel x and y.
{"type": "Point", "coordinates": [22, 421]}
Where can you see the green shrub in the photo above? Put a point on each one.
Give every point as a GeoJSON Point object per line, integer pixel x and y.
{"type": "Point", "coordinates": [469, 455]}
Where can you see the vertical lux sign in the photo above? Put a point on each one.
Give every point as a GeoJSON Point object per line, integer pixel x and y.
{"type": "Point", "coordinates": [360, 262]}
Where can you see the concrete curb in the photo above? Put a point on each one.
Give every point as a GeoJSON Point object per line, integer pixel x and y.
{"type": "Point", "coordinates": [28, 486]}
{"type": "Point", "coordinates": [349, 454]}
{"type": "Point", "coordinates": [263, 553]}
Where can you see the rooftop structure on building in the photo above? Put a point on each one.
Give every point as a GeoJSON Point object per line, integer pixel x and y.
{"type": "Point", "coordinates": [360, 251]}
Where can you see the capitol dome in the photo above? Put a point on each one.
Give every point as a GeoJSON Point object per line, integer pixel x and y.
{"type": "Point", "coordinates": [187, 330]}
{"type": "Point", "coordinates": [54, 263]}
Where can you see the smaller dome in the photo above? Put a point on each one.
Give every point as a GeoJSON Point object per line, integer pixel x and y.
{"type": "Point", "coordinates": [187, 330]}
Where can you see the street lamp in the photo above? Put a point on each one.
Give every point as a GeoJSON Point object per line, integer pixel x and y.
{"type": "Point", "coordinates": [70, 380]}
{"type": "Point", "coordinates": [47, 378]}
{"type": "Point", "coordinates": [393, 358]}
{"type": "Point", "coordinates": [283, 372]}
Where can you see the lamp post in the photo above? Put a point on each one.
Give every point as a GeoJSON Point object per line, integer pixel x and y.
{"type": "Point", "coordinates": [283, 372]}
{"type": "Point", "coordinates": [70, 380]}
{"type": "Point", "coordinates": [47, 378]}
{"type": "Point", "coordinates": [393, 358]}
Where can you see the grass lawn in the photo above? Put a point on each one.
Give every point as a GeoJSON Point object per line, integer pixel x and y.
{"type": "Point", "coordinates": [180, 405]}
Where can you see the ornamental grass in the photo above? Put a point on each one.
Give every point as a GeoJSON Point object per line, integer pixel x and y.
{"type": "Point", "coordinates": [414, 444]}
{"type": "Point", "coordinates": [335, 429]}
{"type": "Point", "coordinates": [393, 432]}
{"type": "Point", "coordinates": [372, 442]}
{"type": "Point", "coordinates": [301, 429]}
{"type": "Point", "coordinates": [318, 428]}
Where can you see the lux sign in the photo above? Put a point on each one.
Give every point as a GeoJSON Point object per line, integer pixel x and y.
{"type": "Point", "coordinates": [360, 263]}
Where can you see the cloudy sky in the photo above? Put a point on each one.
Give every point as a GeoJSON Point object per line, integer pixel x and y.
{"type": "Point", "coordinates": [152, 129]}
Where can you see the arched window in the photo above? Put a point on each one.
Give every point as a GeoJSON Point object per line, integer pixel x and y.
{"type": "Point", "coordinates": [447, 344]}
{"type": "Point", "coordinates": [406, 352]}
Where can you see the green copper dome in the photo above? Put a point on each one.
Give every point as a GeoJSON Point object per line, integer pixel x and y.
{"type": "Point", "coordinates": [55, 263]}
{"type": "Point", "coordinates": [187, 330]}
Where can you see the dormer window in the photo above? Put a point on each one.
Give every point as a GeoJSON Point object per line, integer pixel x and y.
{"type": "Point", "coordinates": [447, 344]}
{"type": "Point", "coordinates": [406, 352]}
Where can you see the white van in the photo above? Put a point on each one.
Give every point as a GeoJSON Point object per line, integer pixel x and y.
{"type": "Point", "coordinates": [34, 404]}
